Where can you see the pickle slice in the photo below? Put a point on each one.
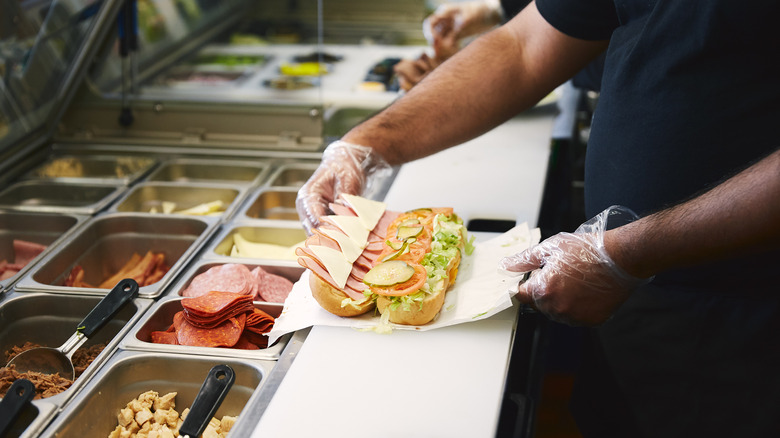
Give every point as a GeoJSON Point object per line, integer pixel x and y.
{"type": "Point", "coordinates": [394, 245]}
{"type": "Point", "coordinates": [404, 233]}
{"type": "Point", "coordinates": [410, 221]}
{"type": "Point", "coordinates": [388, 273]}
{"type": "Point", "coordinates": [401, 250]}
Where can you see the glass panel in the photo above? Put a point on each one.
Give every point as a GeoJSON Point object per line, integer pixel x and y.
{"type": "Point", "coordinates": [39, 44]}
{"type": "Point", "coordinates": [200, 50]}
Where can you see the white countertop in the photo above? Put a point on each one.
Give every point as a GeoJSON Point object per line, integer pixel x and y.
{"type": "Point", "coordinates": [440, 383]}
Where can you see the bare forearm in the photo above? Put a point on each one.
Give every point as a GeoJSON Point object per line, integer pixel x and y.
{"type": "Point", "coordinates": [491, 80]}
{"type": "Point", "coordinates": [739, 216]}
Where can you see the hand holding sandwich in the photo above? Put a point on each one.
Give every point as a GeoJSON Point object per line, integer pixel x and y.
{"type": "Point", "coordinates": [345, 168]}
{"type": "Point", "coordinates": [575, 280]}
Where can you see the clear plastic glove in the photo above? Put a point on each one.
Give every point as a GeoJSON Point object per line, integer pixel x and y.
{"type": "Point", "coordinates": [454, 21]}
{"type": "Point", "coordinates": [577, 282]}
{"type": "Point", "coordinates": [345, 168]}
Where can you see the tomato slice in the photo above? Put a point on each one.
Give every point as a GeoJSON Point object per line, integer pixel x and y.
{"type": "Point", "coordinates": [406, 288]}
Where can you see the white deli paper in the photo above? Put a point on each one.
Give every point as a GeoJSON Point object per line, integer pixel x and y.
{"type": "Point", "coordinates": [479, 292]}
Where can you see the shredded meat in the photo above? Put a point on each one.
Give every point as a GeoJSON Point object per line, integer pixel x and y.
{"type": "Point", "coordinates": [46, 385]}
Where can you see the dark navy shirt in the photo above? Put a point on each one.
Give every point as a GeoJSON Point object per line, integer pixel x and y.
{"type": "Point", "coordinates": [690, 96]}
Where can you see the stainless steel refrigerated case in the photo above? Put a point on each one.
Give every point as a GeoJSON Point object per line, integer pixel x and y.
{"type": "Point", "coordinates": [181, 133]}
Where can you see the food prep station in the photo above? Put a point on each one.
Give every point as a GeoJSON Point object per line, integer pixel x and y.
{"type": "Point", "coordinates": [94, 192]}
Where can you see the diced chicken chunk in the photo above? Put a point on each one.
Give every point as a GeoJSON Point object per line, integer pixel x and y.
{"type": "Point", "coordinates": [168, 401]}
{"type": "Point", "coordinates": [143, 416]}
{"type": "Point", "coordinates": [227, 423]}
{"type": "Point", "coordinates": [125, 416]}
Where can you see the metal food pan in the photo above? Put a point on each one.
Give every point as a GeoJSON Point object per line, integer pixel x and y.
{"type": "Point", "coordinates": [340, 120]}
{"type": "Point", "coordinates": [194, 170]}
{"type": "Point", "coordinates": [160, 318]}
{"type": "Point", "coordinates": [57, 197]}
{"type": "Point", "coordinates": [275, 203]}
{"type": "Point", "coordinates": [292, 175]}
{"type": "Point", "coordinates": [93, 413]}
{"type": "Point", "coordinates": [32, 419]}
{"type": "Point", "coordinates": [282, 234]}
{"type": "Point", "coordinates": [111, 168]}
{"type": "Point", "coordinates": [49, 319]}
{"type": "Point", "coordinates": [44, 229]}
{"type": "Point", "coordinates": [152, 198]}
{"type": "Point", "coordinates": [189, 77]}
{"type": "Point", "coordinates": [107, 242]}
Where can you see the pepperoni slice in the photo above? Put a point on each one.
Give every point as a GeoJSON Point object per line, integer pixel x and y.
{"type": "Point", "coordinates": [230, 277]}
{"type": "Point", "coordinates": [224, 335]}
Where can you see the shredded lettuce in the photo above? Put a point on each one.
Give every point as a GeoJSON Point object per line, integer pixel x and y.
{"type": "Point", "coordinates": [449, 236]}
{"type": "Point", "coordinates": [353, 303]}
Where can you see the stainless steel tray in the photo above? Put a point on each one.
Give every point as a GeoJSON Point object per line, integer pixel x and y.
{"type": "Point", "coordinates": [58, 197]}
{"type": "Point", "coordinates": [160, 317]}
{"type": "Point", "coordinates": [33, 419]}
{"type": "Point", "coordinates": [104, 244]}
{"type": "Point", "coordinates": [45, 229]}
{"type": "Point", "coordinates": [271, 203]}
{"type": "Point", "coordinates": [111, 169]}
{"type": "Point", "coordinates": [292, 174]}
{"type": "Point", "coordinates": [282, 233]}
{"type": "Point", "coordinates": [220, 171]}
{"type": "Point", "coordinates": [129, 373]}
{"type": "Point", "coordinates": [151, 197]}
{"type": "Point", "coordinates": [49, 319]}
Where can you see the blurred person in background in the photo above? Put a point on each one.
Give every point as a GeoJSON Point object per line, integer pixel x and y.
{"type": "Point", "coordinates": [454, 23]}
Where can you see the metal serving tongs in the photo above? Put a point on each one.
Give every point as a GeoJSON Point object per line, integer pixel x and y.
{"type": "Point", "coordinates": [216, 386]}
{"type": "Point", "coordinates": [47, 360]}
{"type": "Point", "coordinates": [15, 400]}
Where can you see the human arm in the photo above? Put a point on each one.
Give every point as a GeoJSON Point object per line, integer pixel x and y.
{"type": "Point", "coordinates": [584, 277]}
{"type": "Point", "coordinates": [738, 216]}
{"type": "Point", "coordinates": [494, 78]}
{"type": "Point", "coordinates": [503, 73]}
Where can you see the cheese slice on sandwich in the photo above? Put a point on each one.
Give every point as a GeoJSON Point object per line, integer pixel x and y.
{"type": "Point", "coordinates": [335, 263]}
{"type": "Point", "coordinates": [352, 226]}
{"type": "Point", "coordinates": [349, 247]}
{"type": "Point", "coordinates": [368, 210]}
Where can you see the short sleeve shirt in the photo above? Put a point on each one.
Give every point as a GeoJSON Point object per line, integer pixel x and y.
{"type": "Point", "coordinates": [690, 96]}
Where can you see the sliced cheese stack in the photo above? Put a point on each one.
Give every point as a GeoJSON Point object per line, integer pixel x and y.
{"type": "Point", "coordinates": [344, 247]}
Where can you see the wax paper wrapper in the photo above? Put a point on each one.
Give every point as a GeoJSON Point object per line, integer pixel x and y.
{"type": "Point", "coordinates": [479, 292]}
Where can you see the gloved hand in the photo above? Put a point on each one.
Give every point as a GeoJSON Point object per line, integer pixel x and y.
{"type": "Point", "coordinates": [345, 168]}
{"type": "Point", "coordinates": [454, 21]}
{"type": "Point", "coordinates": [577, 282]}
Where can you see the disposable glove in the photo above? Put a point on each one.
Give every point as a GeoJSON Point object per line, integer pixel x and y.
{"type": "Point", "coordinates": [345, 168]}
{"type": "Point", "coordinates": [576, 282]}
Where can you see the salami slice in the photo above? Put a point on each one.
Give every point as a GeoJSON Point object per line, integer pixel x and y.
{"type": "Point", "coordinates": [230, 277]}
{"type": "Point", "coordinates": [26, 251]}
{"type": "Point", "coordinates": [271, 287]}
{"type": "Point", "coordinates": [224, 335]}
